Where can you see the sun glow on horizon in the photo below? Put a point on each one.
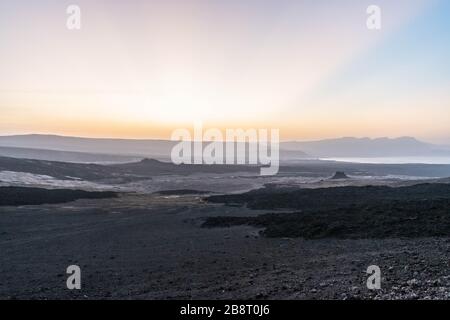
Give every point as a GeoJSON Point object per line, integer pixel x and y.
{"type": "Point", "coordinates": [144, 68]}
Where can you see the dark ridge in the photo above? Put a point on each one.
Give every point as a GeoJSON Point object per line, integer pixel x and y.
{"type": "Point", "coordinates": [117, 173]}
{"type": "Point", "coordinates": [18, 196]}
{"type": "Point", "coordinates": [181, 192]}
{"type": "Point", "coordinates": [155, 167]}
{"type": "Point", "coordinates": [58, 170]}
{"type": "Point", "coordinates": [332, 198]}
{"type": "Point", "coordinates": [391, 219]}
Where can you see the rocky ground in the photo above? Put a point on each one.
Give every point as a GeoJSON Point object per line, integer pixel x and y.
{"type": "Point", "coordinates": [380, 212]}
{"type": "Point", "coordinates": [153, 247]}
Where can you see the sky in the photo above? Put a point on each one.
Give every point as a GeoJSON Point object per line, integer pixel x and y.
{"type": "Point", "coordinates": [141, 69]}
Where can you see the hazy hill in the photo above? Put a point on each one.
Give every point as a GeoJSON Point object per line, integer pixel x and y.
{"type": "Point", "coordinates": [366, 147]}
{"type": "Point", "coordinates": [65, 156]}
{"type": "Point", "coordinates": [161, 149]}
{"type": "Point", "coordinates": [72, 149]}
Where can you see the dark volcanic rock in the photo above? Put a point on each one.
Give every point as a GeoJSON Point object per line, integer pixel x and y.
{"type": "Point", "coordinates": [350, 212]}
{"type": "Point", "coordinates": [331, 198]}
{"type": "Point", "coordinates": [398, 219]}
{"type": "Point", "coordinates": [18, 196]}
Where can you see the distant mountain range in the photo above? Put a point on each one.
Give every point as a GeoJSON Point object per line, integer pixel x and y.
{"type": "Point", "coordinates": [158, 149]}
{"type": "Point", "coordinates": [65, 156]}
{"type": "Point", "coordinates": [366, 147]}
{"type": "Point", "coordinates": [74, 149]}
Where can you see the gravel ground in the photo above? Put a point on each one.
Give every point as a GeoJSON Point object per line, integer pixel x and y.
{"type": "Point", "coordinates": [152, 247]}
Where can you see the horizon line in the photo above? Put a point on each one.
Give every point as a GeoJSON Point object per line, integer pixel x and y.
{"type": "Point", "coordinates": [168, 139]}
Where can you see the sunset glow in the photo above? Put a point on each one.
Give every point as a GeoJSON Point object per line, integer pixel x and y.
{"type": "Point", "coordinates": [140, 69]}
